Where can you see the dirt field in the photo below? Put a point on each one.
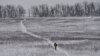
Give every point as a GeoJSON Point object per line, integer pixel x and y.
{"type": "Point", "coordinates": [74, 35]}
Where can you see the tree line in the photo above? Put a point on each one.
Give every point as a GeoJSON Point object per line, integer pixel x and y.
{"type": "Point", "coordinates": [11, 11]}
{"type": "Point", "coordinates": [83, 9]}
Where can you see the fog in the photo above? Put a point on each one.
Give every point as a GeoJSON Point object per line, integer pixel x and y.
{"type": "Point", "coordinates": [29, 3]}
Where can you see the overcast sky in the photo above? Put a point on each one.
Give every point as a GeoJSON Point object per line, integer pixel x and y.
{"type": "Point", "coordinates": [28, 3]}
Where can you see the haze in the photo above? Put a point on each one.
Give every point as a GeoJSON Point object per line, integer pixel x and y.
{"type": "Point", "coordinates": [29, 3]}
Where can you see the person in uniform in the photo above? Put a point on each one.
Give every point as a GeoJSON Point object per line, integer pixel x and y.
{"type": "Point", "coordinates": [55, 45]}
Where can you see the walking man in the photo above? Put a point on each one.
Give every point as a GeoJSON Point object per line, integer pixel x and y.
{"type": "Point", "coordinates": [55, 45]}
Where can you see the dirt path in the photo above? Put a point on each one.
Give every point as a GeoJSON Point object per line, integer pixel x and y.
{"type": "Point", "coordinates": [24, 30]}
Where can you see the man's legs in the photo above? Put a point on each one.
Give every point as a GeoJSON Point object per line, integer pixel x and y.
{"type": "Point", "coordinates": [55, 47]}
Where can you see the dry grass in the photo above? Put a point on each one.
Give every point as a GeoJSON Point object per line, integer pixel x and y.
{"type": "Point", "coordinates": [15, 43]}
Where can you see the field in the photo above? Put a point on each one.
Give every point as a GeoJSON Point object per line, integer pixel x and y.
{"type": "Point", "coordinates": [78, 36]}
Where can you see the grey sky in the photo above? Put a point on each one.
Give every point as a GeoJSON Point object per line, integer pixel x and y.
{"type": "Point", "coordinates": [28, 3]}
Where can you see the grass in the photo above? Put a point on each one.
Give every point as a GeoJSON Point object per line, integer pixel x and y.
{"type": "Point", "coordinates": [64, 27]}
{"type": "Point", "coordinates": [71, 34]}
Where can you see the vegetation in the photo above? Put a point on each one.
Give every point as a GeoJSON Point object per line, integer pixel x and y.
{"type": "Point", "coordinates": [11, 11]}
{"type": "Point", "coordinates": [84, 9]}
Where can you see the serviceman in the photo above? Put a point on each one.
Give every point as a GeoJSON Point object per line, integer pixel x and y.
{"type": "Point", "coordinates": [55, 45]}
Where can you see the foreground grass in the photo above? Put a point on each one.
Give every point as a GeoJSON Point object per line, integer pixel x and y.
{"type": "Point", "coordinates": [43, 49]}
{"type": "Point", "coordinates": [15, 43]}
{"type": "Point", "coordinates": [26, 49]}
{"type": "Point", "coordinates": [21, 44]}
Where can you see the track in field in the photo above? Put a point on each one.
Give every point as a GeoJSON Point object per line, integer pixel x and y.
{"type": "Point", "coordinates": [24, 30]}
